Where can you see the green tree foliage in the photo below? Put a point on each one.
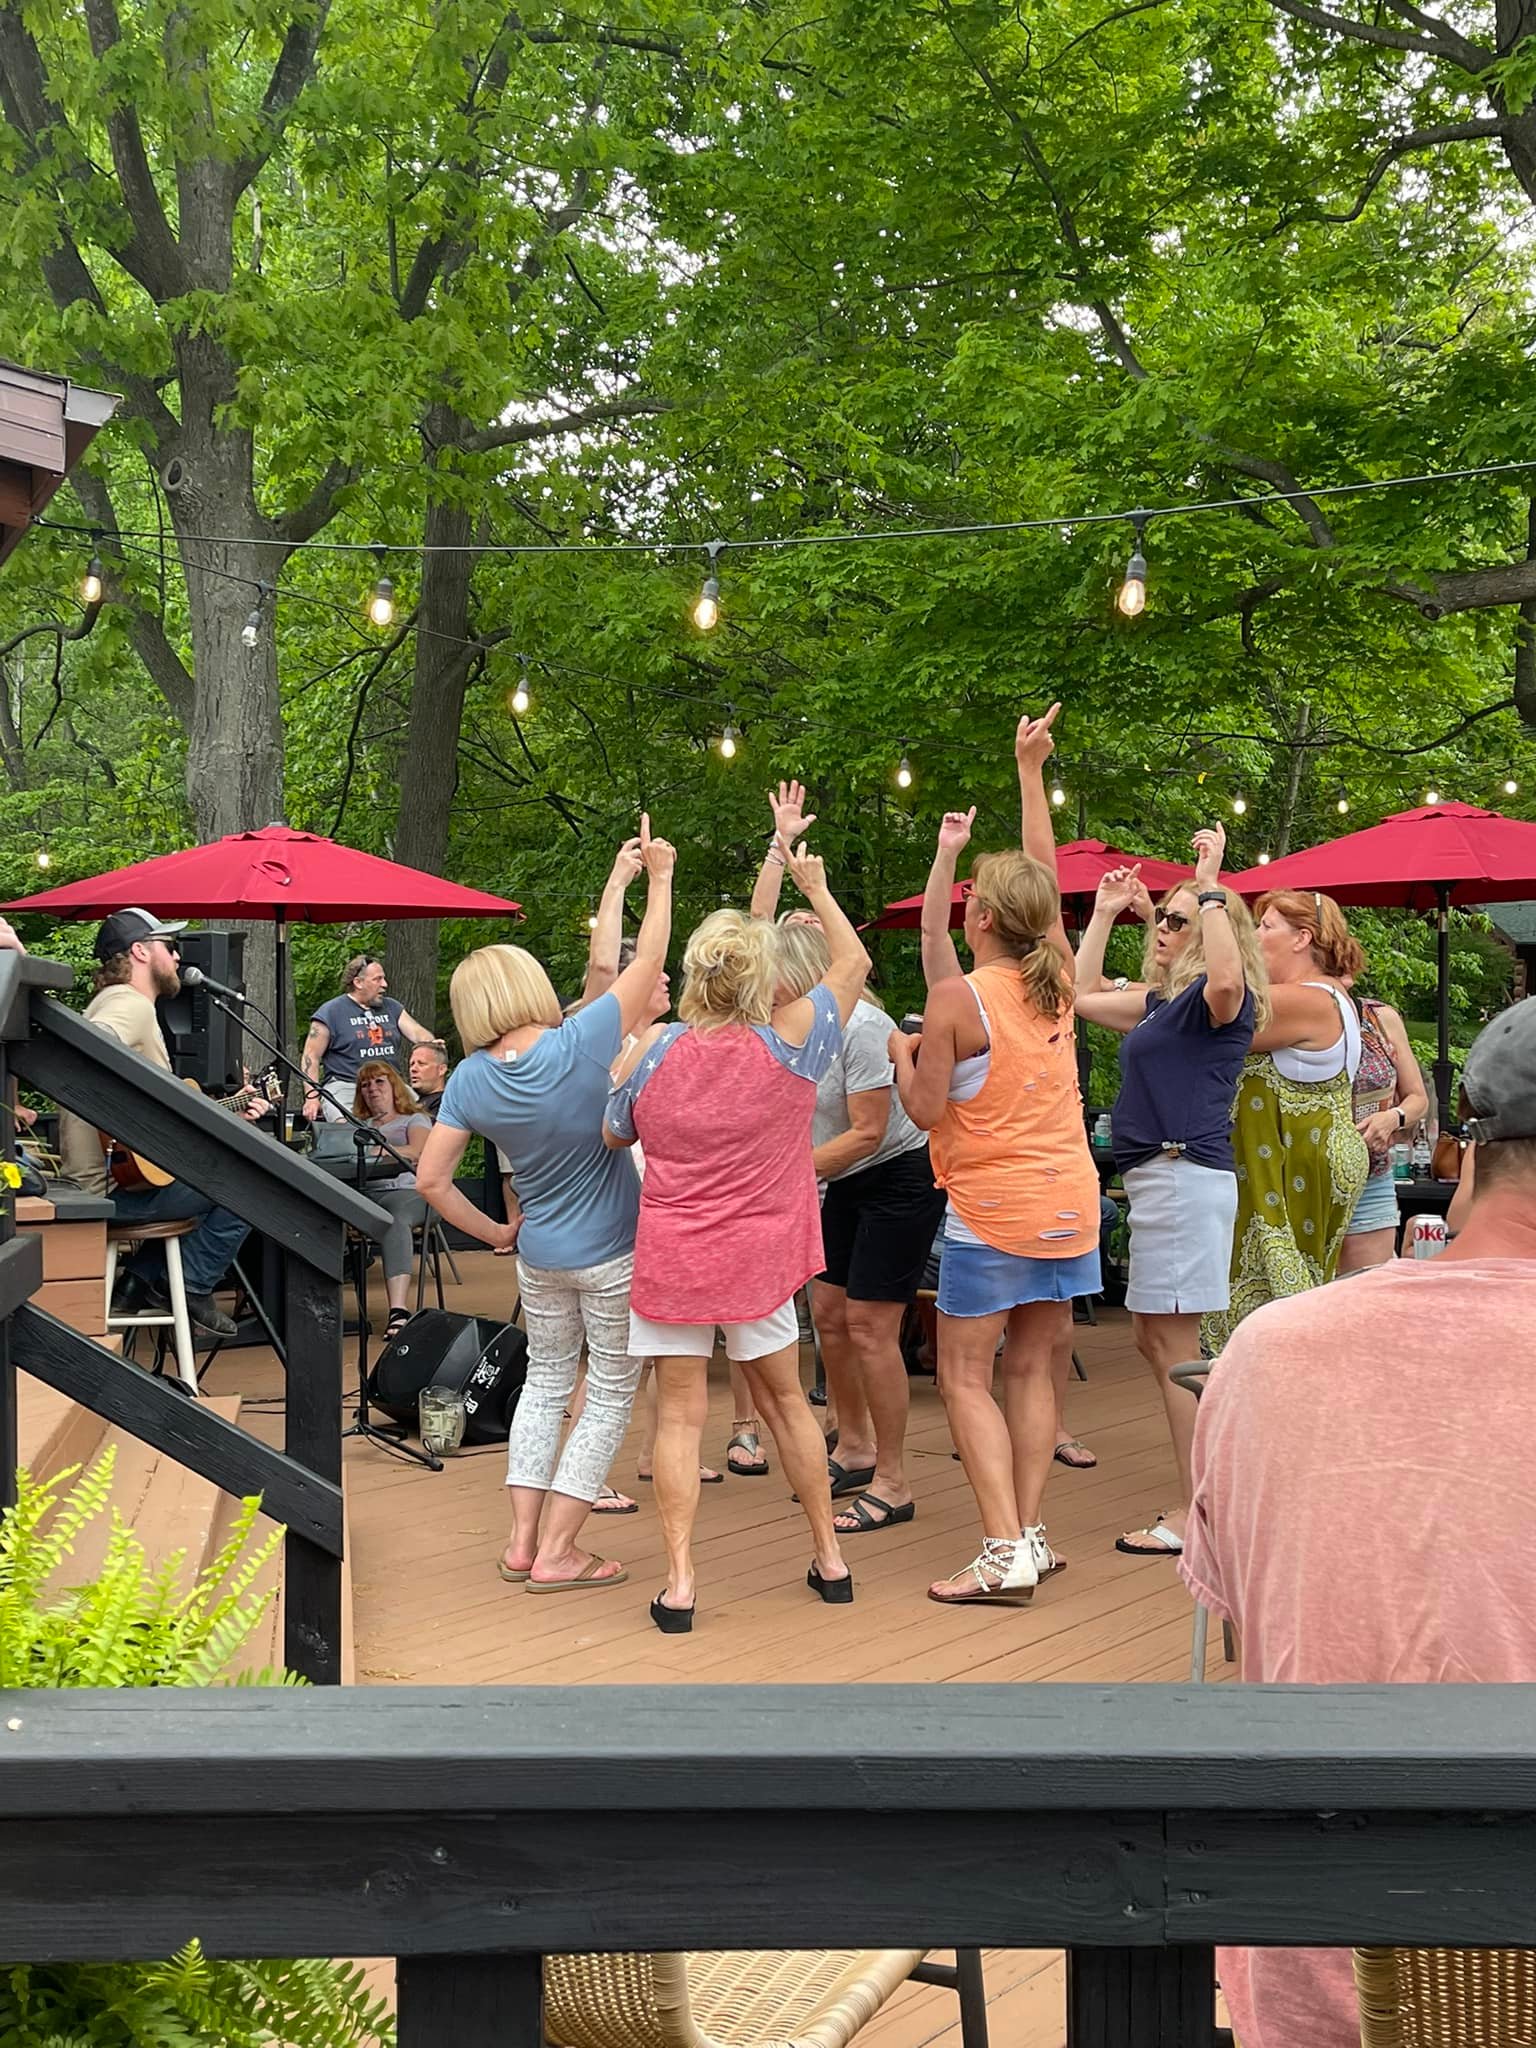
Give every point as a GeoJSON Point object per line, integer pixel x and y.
{"type": "Point", "coordinates": [664, 275]}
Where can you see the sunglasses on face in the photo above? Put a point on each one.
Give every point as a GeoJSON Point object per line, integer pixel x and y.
{"type": "Point", "coordinates": [1174, 920]}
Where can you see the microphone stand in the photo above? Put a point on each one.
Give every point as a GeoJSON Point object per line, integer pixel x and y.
{"type": "Point", "coordinates": [388, 1436]}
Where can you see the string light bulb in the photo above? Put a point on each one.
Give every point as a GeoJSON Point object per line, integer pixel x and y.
{"type": "Point", "coordinates": [1263, 860]}
{"type": "Point", "coordinates": [1132, 595]}
{"type": "Point", "coordinates": [1058, 794]}
{"type": "Point", "coordinates": [904, 770]}
{"type": "Point", "coordinates": [706, 607]}
{"type": "Point", "coordinates": [1431, 797]}
{"type": "Point", "coordinates": [44, 858]}
{"type": "Point", "coordinates": [728, 744]}
{"type": "Point", "coordinates": [520, 699]}
{"type": "Point", "coordinates": [1342, 806]}
{"type": "Point", "coordinates": [381, 599]}
{"type": "Point", "coordinates": [93, 584]}
{"type": "Point", "coordinates": [1239, 806]}
{"type": "Point", "coordinates": [592, 922]}
{"type": "Point", "coordinates": [1511, 787]}
{"type": "Point", "coordinates": [250, 632]}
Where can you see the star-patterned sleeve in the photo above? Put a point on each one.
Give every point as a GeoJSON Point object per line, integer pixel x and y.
{"type": "Point", "coordinates": [620, 1113]}
{"type": "Point", "coordinates": [823, 1042]}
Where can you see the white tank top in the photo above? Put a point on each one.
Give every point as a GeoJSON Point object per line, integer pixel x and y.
{"type": "Point", "coordinates": [1302, 1063]}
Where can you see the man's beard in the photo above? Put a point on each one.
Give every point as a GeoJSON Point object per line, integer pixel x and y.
{"type": "Point", "coordinates": [167, 981]}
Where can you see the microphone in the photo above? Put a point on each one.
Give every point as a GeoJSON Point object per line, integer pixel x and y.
{"type": "Point", "coordinates": [194, 977]}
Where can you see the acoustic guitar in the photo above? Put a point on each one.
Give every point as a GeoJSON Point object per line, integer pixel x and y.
{"type": "Point", "coordinates": [129, 1169]}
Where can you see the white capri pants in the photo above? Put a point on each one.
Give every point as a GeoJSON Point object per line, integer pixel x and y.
{"type": "Point", "coordinates": [1182, 1219]}
{"type": "Point", "coordinates": [560, 1308]}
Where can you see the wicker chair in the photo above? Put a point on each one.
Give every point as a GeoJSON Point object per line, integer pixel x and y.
{"type": "Point", "coordinates": [786, 1998]}
{"type": "Point", "coordinates": [1446, 1997]}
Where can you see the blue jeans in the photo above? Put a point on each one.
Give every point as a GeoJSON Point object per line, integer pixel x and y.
{"type": "Point", "coordinates": [205, 1253]}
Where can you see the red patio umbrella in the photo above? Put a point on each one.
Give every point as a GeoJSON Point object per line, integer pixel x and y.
{"type": "Point", "coordinates": [1081, 864]}
{"type": "Point", "coordinates": [275, 873]}
{"type": "Point", "coordinates": [1424, 859]}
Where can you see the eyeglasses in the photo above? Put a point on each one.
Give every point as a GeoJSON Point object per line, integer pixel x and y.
{"type": "Point", "coordinates": [1174, 919]}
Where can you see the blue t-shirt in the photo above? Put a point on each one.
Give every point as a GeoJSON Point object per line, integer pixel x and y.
{"type": "Point", "coordinates": [544, 1109]}
{"type": "Point", "coordinates": [358, 1034]}
{"type": "Point", "coordinates": [1178, 1075]}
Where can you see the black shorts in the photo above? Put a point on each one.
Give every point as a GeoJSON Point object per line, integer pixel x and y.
{"type": "Point", "coordinates": [876, 1227]}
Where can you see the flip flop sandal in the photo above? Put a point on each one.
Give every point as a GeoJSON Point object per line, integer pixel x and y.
{"type": "Point", "coordinates": [707, 1477]}
{"type": "Point", "coordinates": [609, 1502]}
{"type": "Point", "coordinates": [515, 1575]}
{"type": "Point", "coordinates": [749, 1441]}
{"type": "Point", "coordinates": [864, 1521]}
{"type": "Point", "coordinates": [845, 1479]}
{"type": "Point", "coordinates": [584, 1580]}
{"type": "Point", "coordinates": [1164, 1542]}
{"type": "Point", "coordinates": [1074, 1443]}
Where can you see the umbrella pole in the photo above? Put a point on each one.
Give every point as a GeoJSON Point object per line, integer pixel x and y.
{"type": "Point", "coordinates": [280, 1003]}
{"type": "Point", "coordinates": [1443, 1005]}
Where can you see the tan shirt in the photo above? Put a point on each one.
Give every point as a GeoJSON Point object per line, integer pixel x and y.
{"type": "Point", "coordinates": [132, 1018]}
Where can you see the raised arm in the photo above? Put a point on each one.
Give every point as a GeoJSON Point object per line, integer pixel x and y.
{"type": "Point", "coordinates": [1225, 983]}
{"type": "Point", "coordinates": [608, 932]}
{"type": "Point", "coordinates": [790, 825]}
{"type": "Point", "coordinates": [848, 967]}
{"type": "Point", "coordinates": [1117, 1009]}
{"type": "Point", "coordinates": [940, 959]}
{"type": "Point", "coordinates": [1032, 748]}
{"type": "Point", "coordinates": [635, 988]}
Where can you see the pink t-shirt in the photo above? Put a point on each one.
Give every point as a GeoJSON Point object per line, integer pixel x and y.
{"type": "Point", "coordinates": [1364, 1501]}
{"type": "Point", "coordinates": [730, 1221]}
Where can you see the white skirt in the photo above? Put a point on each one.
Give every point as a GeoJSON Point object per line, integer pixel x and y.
{"type": "Point", "coordinates": [1182, 1219]}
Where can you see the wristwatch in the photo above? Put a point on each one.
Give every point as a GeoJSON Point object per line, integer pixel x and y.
{"type": "Point", "coordinates": [1212, 896]}
{"type": "Point", "coordinates": [1402, 1121]}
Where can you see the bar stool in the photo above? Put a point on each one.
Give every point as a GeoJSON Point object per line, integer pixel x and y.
{"type": "Point", "coordinates": [174, 1316]}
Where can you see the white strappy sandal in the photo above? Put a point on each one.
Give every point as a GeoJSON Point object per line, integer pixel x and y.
{"type": "Point", "coordinates": [1004, 1574]}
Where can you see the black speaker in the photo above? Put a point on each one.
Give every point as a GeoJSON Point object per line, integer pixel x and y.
{"type": "Point", "coordinates": [203, 1043]}
{"type": "Point", "coordinates": [484, 1360]}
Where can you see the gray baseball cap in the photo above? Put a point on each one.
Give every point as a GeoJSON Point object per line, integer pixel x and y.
{"type": "Point", "coordinates": [1499, 1079]}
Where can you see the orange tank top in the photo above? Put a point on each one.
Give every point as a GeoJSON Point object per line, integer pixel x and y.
{"type": "Point", "coordinates": [1014, 1160]}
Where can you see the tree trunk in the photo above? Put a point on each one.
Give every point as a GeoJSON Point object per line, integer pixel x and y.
{"type": "Point", "coordinates": [1298, 753]}
{"type": "Point", "coordinates": [429, 765]}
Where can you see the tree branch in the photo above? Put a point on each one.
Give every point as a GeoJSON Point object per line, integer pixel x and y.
{"type": "Point", "coordinates": [600, 413]}
{"type": "Point", "coordinates": [306, 520]}
{"type": "Point", "coordinates": [290, 74]}
{"type": "Point", "coordinates": [165, 667]}
{"type": "Point", "coordinates": [152, 256]}
{"type": "Point", "coordinates": [1405, 145]}
{"type": "Point", "coordinates": [1451, 45]}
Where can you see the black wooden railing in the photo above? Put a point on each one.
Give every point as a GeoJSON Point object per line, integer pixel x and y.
{"type": "Point", "coordinates": [302, 1212]}
{"type": "Point", "coordinates": [471, 1833]}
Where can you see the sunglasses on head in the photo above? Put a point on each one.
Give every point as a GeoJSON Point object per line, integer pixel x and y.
{"type": "Point", "coordinates": [1174, 919]}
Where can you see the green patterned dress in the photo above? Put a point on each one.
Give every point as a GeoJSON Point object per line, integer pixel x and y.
{"type": "Point", "coordinates": [1300, 1167]}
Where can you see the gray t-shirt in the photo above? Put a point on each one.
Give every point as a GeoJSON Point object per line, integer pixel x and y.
{"type": "Point", "coordinates": [861, 1065]}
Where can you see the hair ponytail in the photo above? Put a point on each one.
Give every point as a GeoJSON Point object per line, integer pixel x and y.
{"type": "Point", "coordinates": [1023, 899]}
{"type": "Point", "coordinates": [1043, 973]}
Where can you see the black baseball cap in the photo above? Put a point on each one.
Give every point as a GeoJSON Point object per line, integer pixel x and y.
{"type": "Point", "coordinates": [125, 928]}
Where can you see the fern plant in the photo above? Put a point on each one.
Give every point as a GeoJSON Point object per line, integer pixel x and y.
{"type": "Point", "coordinates": [132, 1626]}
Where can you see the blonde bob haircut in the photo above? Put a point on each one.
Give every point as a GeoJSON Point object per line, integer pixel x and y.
{"type": "Point", "coordinates": [1024, 901]}
{"type": "Point", "coordinates": [803, 956]}
{"type": "Point", "coordinates": [1334, 946]}
{"type": "Point", "coordinates": [730, 972]}
{"type": "Point", "coordinates": [497, 989]}
{"type": "Point", "coordinates": [1189, 963]}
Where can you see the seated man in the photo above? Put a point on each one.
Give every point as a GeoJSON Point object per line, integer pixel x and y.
{"type": "Point", "coordinates": [429, 1074]}
{"type": "Point", "coordinates": [139, 959]}
{"type": "Point", "coordinates": [1354, 1517]}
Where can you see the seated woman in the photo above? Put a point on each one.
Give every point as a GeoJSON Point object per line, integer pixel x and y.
{"type": "Point", "coordinates": [386, 1104]}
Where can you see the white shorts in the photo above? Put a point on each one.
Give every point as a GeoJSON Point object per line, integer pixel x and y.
{"type": "Point", "coordinates": [743, 1341]}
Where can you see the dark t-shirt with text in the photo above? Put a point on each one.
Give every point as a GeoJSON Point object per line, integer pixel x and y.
{"type": "Point", "coordinates": [358, 1035]}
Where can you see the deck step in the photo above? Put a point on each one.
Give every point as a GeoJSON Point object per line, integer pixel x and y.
{"type": "Point", "coordinates": [168, 1507]}
{"type": "Point", "coordinates": [51, 1430]}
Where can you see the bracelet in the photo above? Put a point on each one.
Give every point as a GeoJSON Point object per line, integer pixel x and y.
{"type": "Point", "coordinates": [775, 854]}
{"type": "Point", "coordinates": [1402, 1121]}
{"type": "Point", "coordinates": [1210, 896]}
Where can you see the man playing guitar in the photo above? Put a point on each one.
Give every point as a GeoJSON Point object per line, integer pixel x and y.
{"type": "Point", "coordinates": [138, 959]}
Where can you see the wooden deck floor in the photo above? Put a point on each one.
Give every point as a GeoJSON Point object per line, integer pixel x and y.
{"type": "Point", "coordinates": [429, 1608]}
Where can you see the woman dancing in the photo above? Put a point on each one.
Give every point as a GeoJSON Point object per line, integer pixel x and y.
{"type": "Point", "coordinates": [729, 1224]}
{"type": "Point", "coordinates": [536, 1085]}
{"type": "Point", "coordinates": [994, 1078]}
{"type": "Point", "coordinates": [1188, 1024]}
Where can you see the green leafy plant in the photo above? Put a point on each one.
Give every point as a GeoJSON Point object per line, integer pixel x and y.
{"type": "Point", "coordinates": [134, 1626]}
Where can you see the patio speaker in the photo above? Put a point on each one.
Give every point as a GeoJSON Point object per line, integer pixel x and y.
{"type": "Point", "coordinates": [481, 1359]}
{"type": "Point", "coordinates": [204, 1044]}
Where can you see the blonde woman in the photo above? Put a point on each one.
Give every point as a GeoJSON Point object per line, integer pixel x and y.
{"type": "Point", "coordinates": [385, 1102]}
{"type": "Point", "coordinates": [1188, 1025]}
{"type": "Point", "coordinates": [535, 1085]}
{"type": "Point", "coordinates": [994, 1079]}
{"type": "Point", "coordinates": [729, 1222]}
